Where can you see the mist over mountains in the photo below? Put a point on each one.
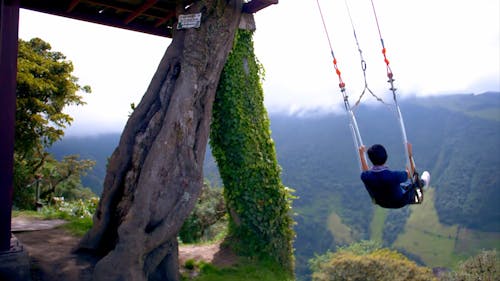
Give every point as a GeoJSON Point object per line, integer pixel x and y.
{"type": "Point", "coordinates": [454, 137]}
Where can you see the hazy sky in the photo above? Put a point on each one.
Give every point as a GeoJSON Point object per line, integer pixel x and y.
{"type": "Point", "coordinates": [434, 46]}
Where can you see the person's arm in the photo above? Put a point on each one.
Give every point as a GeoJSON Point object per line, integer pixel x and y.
{"type": "Point", "coordinates": [410, 155]}
{"type": "Point", "coordinates": [364, 165]}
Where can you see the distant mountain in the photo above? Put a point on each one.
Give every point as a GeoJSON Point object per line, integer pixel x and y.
{"type": "Point", "coordinates": [485, 106]}
{"type": "Point", "coordinates": [98, 148]}
{"type": "Point", "coordinates": [454, 137]}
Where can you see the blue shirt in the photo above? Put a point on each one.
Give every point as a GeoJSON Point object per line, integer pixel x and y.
{"type": "Point", "coordinates": [384, 186]}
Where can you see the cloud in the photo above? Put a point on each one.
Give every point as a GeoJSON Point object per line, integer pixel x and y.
{"type": "Point", "coordinates": [434, 47]}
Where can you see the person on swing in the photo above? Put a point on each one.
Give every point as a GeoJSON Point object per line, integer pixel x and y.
{"type": "Point", "coordinates": [389, 188]}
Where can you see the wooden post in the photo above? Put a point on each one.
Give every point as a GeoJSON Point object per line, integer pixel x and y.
{"type": "Point", "coordinates": [257, 5]}
{"type": "Point", "coordinates": [9, 23]}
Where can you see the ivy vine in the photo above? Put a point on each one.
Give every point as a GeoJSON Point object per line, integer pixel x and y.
{"type": "Point", "coordinates": [259, 204]}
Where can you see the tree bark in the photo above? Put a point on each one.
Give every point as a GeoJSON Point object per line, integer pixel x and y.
{"type": "Point", "coordinates": [155, 174]}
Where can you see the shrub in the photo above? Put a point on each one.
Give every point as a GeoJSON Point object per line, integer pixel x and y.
{"type": "Point", "coordinates": [190, 264]}
{"type": "Point", "coordinates": [209, 210]}
{"type": "Point", "coordinates": [366, 261]}
{"type": "Point", "coordinates": [485, 267]}
{"type": "Point", "coordinates": [63, 209]}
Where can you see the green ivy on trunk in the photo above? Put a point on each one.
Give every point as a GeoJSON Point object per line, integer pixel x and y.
{"type": "Point", "coordinates": [258, 203]}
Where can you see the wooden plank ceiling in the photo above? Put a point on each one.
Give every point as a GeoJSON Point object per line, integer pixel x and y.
{"type": "Point", "coordinates": [155, 17]}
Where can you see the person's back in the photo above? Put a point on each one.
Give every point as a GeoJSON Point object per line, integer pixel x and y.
{"type": "Point", "coordinates": [389, 189]}
{"type": "Point", "coordinates": [384, 186]}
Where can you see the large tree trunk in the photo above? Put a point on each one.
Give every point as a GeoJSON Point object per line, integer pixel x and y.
{"type": "Point", "coordinates": [155, 175]}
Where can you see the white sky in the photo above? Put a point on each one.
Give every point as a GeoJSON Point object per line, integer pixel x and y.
{"type": "Point", "coordinates": [434, 46]}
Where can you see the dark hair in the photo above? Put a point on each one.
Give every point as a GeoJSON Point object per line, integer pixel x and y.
{"type": "Point", "coordinates": [377, 154]}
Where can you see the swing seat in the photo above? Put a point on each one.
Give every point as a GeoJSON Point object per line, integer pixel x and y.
{"type": "Point", "coordinates": [421, 184]}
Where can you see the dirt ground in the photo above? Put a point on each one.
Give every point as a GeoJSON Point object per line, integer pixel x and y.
{"type": "Point", "coordinates": [52, 259]}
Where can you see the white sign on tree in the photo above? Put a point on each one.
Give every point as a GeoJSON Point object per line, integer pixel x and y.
{"type": "Point", "coordinates": [189, 21]}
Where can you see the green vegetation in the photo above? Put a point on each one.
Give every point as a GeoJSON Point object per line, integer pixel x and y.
{"type": "Point", "coordinates": [78, 226]}
{"type": "Point", "coordinates": [259, 204]}
{"type": "Point", "coordinates": [467, 161]}
{"type": "Point", "coordinates": [367, 261]}
{"type": "Point", "coordinates": [394, 224]}
{"type": "Point", "coordinates": [249, 269]}
{"type": "Point", "coordinates": [341, 232]}
{"type": "Point", "coordinates": [470, 241]}
{"type": "Point", "coordinates": [426, 237]}
{"type": "Point", "coordinates": [45, 86]}
{"type": "Point", "coordinates": [78, 213]}
{"type": "Point", "coordinates": [190, 264]}
{"type": "Point", "coordinates": [484, 266]}
{"type": "Point", "coordinates": [377, 224]}
{"type": "Point", "coordinates": [208, 220]}
{"type": "Point", "coordinates": [440, 245]}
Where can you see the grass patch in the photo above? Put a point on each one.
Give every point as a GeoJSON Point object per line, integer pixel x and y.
{"type": "Point", "coordinates": [78, 226]}
{"type": "Point", "coordinates": [377, 224]}
{"type": "Point", "coordinates": [470, 242]}
{"type": "Point", "coordinates": [29, 214]}
{"type": "Point", "coordinates": [438, 244]}
{"type": "Point", "coordinates": [248, 270]}
{"type": "Point", "coordinates": [426, 237]}
{"type": "Point", "coordinates": [341, 232]}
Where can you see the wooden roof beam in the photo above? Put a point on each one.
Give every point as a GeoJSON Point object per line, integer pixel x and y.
{"type": "Point", "coordinates": [257, 5]}
{"type": "Point", "coordinates": [127, 10]}
{"type": "Point", "coordinates": [138, 12]}
{"type": "Point", "coordinates": [72, 5]}
{"type": "Point", "coordinates": [165, 19]}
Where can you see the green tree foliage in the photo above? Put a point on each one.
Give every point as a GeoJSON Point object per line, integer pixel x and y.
{"type": "Point", "coordinates": [366, 261]}
{"type": "Point", "coordinates": [52, 179]}
{"type": "Point", "coordinates": [45, 86]}
{"type": "Point", "coordinates": [209, 210]}
{"type": "Point", "coordinates": [485, 266]}
{"type": "Point", "coordinates": [259, 204]}
{"type": "Point", "coordinates": [62, 178]}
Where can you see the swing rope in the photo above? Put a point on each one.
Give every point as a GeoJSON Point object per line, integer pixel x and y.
{"type": "Point", "coordinates": [352, 119]}
{"type": "Point", "coordinates": [353, 124]}
{"type": "Point", "coordinates": [362, 60]}
{"type": "Point", "coordinates": [414, 177]}
{"type": "Point", "coordinates": [390, 75]}
{"type": "Point", "coordinates": [409, 158]}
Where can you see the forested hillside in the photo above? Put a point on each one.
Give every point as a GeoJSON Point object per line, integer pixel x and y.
{"type": "Point", "coordinates": [454, 137]}
{"type": "Point", "coordinates": [467, 161]}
